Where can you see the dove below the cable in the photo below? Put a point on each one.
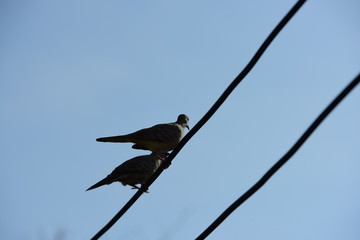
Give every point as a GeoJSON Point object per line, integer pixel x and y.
{"type": "Point", "coordinates": [134, 171]}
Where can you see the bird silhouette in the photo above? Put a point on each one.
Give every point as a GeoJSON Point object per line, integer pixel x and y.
{"type": "Point", "coordinates": [134, 171]}
{"type": "Point", "coordinates": [159, 138]}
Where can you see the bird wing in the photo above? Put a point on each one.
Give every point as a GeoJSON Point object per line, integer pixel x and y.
{"type": "Point", "coordinates": [161, 133]}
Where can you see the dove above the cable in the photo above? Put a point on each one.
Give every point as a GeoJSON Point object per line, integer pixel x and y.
{"type": "Point", "coordinates": [134, 171]}
{"type": "Point", "coordinates": [159, 138]}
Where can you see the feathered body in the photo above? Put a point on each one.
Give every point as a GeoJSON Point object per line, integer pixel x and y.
{"type": "Point", "coordinates": [134, 171]}
{"type": "Point", "coordinates": [159, 138]}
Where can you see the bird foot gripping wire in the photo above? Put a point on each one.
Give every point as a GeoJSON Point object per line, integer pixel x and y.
{"type": "Point", "coordinates": [139, 188]}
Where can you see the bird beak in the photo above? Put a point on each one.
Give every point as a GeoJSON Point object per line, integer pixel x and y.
{"type": "Point", "coordinates": [187, 126]}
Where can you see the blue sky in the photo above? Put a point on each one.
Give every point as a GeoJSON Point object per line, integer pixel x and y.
{"type": "Point", "coordinates": [76, 70]}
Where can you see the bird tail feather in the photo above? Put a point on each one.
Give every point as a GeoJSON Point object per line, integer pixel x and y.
{"type": "Point", "coordinates": [99, 184]}
{"type": "Point", "coordinates": [122, 138]}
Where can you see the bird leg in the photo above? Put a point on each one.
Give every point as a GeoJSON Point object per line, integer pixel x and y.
{"type": "Point", "coordinates": [136, 187]}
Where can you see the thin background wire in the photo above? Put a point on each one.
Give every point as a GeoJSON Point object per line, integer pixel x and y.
{"type": "Point", "coordinates": [282, 160]}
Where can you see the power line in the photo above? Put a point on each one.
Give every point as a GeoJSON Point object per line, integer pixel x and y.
{"type": "Point", "coordinates": [206, 117]}
{"type": "Point", "coordinates": [282, 160]}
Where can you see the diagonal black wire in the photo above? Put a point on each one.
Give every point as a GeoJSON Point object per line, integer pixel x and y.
{"type": "Point", "coordinates": [207, 116]}
{"type": "Point", "coordinates": [282, 161]}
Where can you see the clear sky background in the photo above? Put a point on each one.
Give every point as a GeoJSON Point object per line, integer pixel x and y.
{"type": "Point", "coordinates": [75, 70]}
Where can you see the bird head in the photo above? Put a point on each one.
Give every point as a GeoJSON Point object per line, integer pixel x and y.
{"type": "Point", "coordinates": [183, 120]}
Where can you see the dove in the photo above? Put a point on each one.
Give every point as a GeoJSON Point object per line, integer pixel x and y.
{"type": "Point", "coordinates": [134, 171]}
{"type": "Point", "coordinates": [159, 138]}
